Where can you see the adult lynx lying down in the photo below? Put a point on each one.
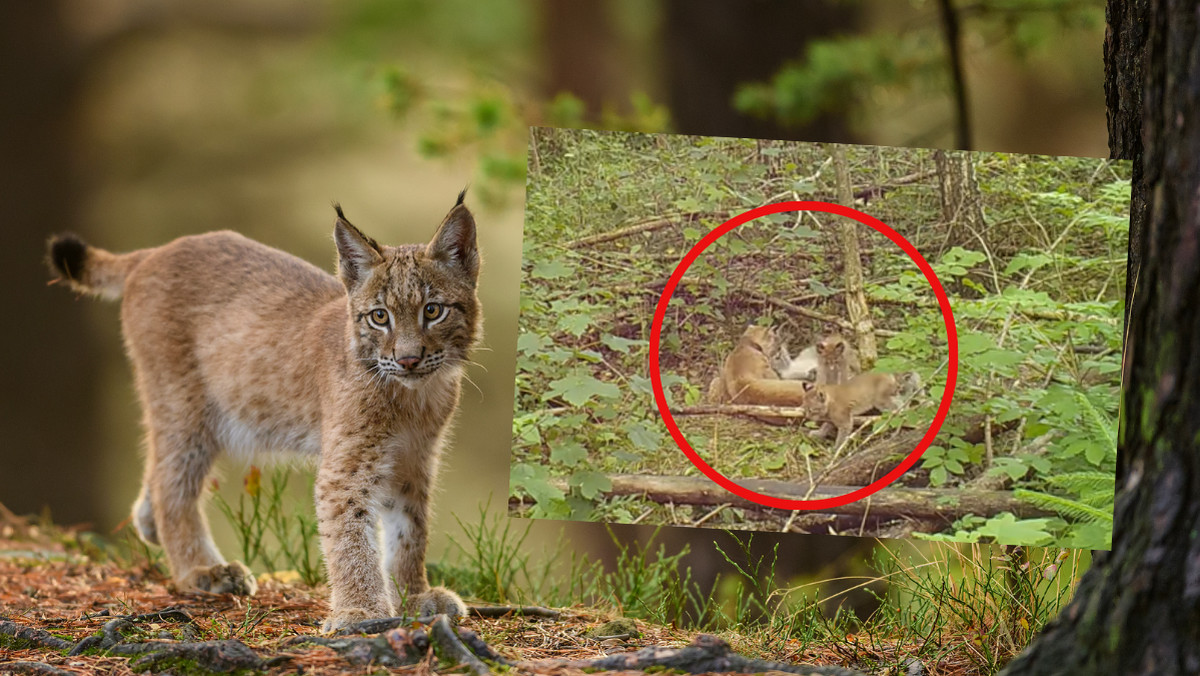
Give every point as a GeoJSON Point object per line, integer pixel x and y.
{"type": "Point", "coordinates": [240, 347]}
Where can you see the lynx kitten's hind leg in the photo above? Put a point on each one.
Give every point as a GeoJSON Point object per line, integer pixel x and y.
{"type": "Point", "coordinates": [143, 512]}
{"type": "Point", "coordinates": [178, 464]}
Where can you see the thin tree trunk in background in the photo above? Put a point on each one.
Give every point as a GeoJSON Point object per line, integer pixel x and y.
{"type": "Point", "coordinates": [856, 298]}
{"type": "Point", "coordinates": [952, 34]}
{"type": "Point", "coordinates": [712, 46]}
{"type": "Point", "coordinates": [961, 202]}
{"type": "Point", "coordinates": [583, 54]}
{"type": "Point", "coordinates": [1137, 609]}
{"type": "Point", "coordinates": [50, 363]}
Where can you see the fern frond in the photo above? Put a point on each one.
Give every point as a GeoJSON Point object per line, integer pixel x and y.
{"type": "Point", "coordinates": [1085, 484]}
{"type": "Point", "coordinates": [1065, 507]}
{"type": "Point", "coordinates": [1098, 423]}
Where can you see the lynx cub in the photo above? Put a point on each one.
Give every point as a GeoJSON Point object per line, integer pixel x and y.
{"type": "Point", "coordinates": [748, 377]}
{"type": "Point", "coordinates": [803, 366]}
{"type": "Point", "coordinates": [239, 347]}
{"type": "Point", "coordinates": [837, 361]}
{"type": "Point", "coordinates": [837, 404]}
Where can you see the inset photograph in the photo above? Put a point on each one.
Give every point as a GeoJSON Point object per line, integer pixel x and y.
{"type": "Point", "coordinates": [804, 354]}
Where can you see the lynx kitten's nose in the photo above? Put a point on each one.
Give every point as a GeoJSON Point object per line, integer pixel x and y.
{"type": "Point", "coordinates": [408, 362]}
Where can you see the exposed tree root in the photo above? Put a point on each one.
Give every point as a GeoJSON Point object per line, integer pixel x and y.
{"type": "Point", "coordinates": [501, 611]}
{"type": "Point", "coordinates": [38, 668]}
{"type": "Point", "coordinates": [219, 656]}
{"type": "Point", "coordinates": [399, 646]}
{"type": "Point", "coordinates": [380, 625]}
{"type": "Point", "coordinates": [482, 649]}
{"type": "Point", "coordinates": [396, 648]}
{"type": "Point", "coordinates": [451, 649]}
{"type": "Point", "coordinates": [110, 633]}
{"type": "Point", "coordinates": [34, 636]}
{"type": "Point", "coordinates": [707, 653]}
{"type": "Point", "coordinates": [392, 646]}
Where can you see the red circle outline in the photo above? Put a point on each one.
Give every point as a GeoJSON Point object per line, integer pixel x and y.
{"type": "Point", "coordinates": [660, 313]}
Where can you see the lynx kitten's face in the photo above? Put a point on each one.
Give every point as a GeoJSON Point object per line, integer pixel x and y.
{"type": "Point", "coordinates": [764, 337]}
{"type": "Point", "coordinates": [413, 308]}
{"type": "Point", "coordinates": [411, 318]}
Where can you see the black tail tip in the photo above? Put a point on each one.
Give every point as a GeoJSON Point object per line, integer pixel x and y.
{"type": "Point", "coordinates": [67, 253]}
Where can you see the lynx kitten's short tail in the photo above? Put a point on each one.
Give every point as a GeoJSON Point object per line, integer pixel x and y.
{"type": "Point", "coordinates": [90, 269]}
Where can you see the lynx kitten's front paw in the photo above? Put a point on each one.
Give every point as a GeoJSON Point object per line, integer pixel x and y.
{"type": "Point", "coordinates": [438, 601]}
{"type": "Point", "coordinates": [226, 578]}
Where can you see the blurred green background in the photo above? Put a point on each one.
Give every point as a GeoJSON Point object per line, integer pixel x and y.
{"type": "Point", "coordinates": [136, 121]}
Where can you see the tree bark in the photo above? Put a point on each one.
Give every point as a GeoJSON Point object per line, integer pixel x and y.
{"type": "Point", "coordinates": [1137, 609]}
{"type": "Point", "coordinates": [962, 205]}
{"type": "Point", "coordinates": [1124, 72]}
{"type": "Point", "coordinates": [855, 296]}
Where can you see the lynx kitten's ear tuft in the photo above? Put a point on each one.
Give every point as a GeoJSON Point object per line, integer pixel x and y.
{"type": "Point", "coordinates": [461, 196]}
{"type": "Point", "coordinates": [357, 253]}
{"type": "Point", "coordinates": [454, 242]}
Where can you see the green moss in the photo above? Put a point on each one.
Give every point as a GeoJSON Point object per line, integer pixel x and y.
{"type": "Point", "coordinates": [619, 627]}
{"type": "Point", "coordinates": [13, 643]}
{"type": "Point", "coordinates": [182, 666]}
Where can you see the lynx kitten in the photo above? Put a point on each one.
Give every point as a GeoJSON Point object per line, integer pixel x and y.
{"type": "Point", "coordinates": [240, 347]}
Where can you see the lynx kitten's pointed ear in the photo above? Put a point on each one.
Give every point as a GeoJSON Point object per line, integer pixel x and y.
{"type": "Point", "coordinates": [454, 243]}
{"type": "Point", "coordinates": [357, 253]}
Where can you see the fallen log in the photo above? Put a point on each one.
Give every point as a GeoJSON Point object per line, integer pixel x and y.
{"type": "Point", "coordinates": [742, 409]}
{"type": "Point", "coordinates": [944, 504]}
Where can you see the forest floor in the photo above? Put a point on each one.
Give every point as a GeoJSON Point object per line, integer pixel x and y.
{"type": "Point", "coordinates": [52, 599]}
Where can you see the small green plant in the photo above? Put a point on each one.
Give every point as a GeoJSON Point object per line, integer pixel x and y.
{"type": "Point", "coordinates": [261, 511]}
{"type": "Point", "coordinates": [492, 560]}
{"type": "Point", "coordinates": [494, 565]}
{"type": "Point", "coordinates": [638, 583]}
{"type": "Point", "coordinates": [982, 601]}
{"type": "Point", "coordinates": [223, 628]}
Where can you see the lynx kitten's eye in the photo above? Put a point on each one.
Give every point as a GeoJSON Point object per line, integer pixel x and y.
{"type": "Point", "coordinates": [433, 311]}
{"type": "Point", "coordinates": [378, 318]}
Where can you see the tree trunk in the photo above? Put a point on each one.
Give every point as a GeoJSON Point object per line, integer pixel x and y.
{"type": "Point", "coordinates": [50, 361]}
{"type": "Point", "coordinates": [962, 205]}
{"type": "Point", "coordinates": [584, 55]}
{"type": "Point", "coordinates": [1124, 47]}
{"type": "Point", "coordinates": [856, 297]}
{"type": "Point", "coordinates": [712, 46]}
{"type": "Point", "coordinates": [1137, 610]}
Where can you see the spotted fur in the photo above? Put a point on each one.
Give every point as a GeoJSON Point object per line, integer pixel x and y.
{"type": "Point", "coordinates": [240, 347]}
